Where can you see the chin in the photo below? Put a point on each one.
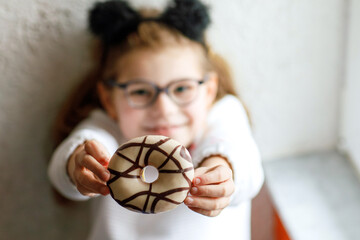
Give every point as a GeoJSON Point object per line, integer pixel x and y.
{"type": "Point", "coordinates": [184, 140]}
{"type": "Point", "coordinates": [182, 134]}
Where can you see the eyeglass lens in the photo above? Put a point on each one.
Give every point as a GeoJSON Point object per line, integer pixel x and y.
{"type": "Point", "coordinates": [141, 94]}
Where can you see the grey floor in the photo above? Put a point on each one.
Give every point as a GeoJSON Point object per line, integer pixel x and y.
{"type": "Point", "coordinates": [317, 195]}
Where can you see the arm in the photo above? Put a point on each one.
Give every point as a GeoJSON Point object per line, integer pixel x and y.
{"type": "Point", "coordinates": [66, 161]}
{"type": "Point", "coordinates": [229, 135]}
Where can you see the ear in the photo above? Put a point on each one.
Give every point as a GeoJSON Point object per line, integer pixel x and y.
{"type": "Point", "coordinates": [212, 88]}
{"type": "Point", "coordinates": [106, 100]}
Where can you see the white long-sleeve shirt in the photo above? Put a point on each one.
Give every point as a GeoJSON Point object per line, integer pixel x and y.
{"type": "Point", "coordinates": [228, 133]}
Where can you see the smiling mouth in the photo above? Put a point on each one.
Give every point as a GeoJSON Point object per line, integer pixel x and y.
{"type": "Point", "coordinates": [163, 130]}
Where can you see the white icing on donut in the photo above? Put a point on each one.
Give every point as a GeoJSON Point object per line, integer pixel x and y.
{"type": "Point", "coordinates": [170, 189]}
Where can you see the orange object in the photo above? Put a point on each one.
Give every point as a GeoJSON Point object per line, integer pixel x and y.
{"type": "Point", "coordinates": [280, 231]}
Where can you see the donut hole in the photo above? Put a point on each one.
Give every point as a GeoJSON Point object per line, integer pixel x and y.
{"type": "Point", "coordinates": [149, 174]}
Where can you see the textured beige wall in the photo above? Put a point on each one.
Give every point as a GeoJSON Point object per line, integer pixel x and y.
{"type": "Point", "coordinates": [286, 57]}
{"type": "Point", "coordinates": [42, 54]}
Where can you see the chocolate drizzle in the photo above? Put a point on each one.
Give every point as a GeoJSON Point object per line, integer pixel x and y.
{"type": "Point", "coordinates": [147, 198]}
{"type": "Point", "coordinates": [136, 165]}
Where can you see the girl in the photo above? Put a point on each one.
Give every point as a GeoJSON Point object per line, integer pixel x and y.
{"type": "Point", "coordinates": [156, 75]}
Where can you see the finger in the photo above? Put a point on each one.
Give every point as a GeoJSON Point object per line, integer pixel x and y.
{"type": "Point", "coordinates": [87, 181]}
{"type": "Point", "coordinates": [84, 160]}
{"type": "Point", "coordinates": [214, 175]}
{"type": "Point", "coordinates": [94, 166]}
{"type": "Point", "coordinates": [207, 203]}
{"type": "Point", "coordinates": [86, 192]}
{"type": "Point", "coordinates": [200, 171]}
{"type": "Point", "coordinates": [206, 212]}
{"type": "Point", "coordinates": [79, 158]}
{"type": "Point", "coordinates": [79, 149]}
{"type": "Point", "coordinates": [224, 189]}
{"type": "Point", "coordinates": [98, 151]}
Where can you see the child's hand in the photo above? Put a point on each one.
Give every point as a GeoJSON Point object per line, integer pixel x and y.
{"type": "Point", "coordinates": [212, 187]}
{"type": "Point", "coordinates": [87, 168]}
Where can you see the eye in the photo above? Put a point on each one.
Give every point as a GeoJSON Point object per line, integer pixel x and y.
{"type": "Point", "coordinates": [140, 92]}
{"type": "Point", "coordinates": [183, 88]}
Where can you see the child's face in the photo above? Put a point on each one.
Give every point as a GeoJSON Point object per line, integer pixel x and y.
{"type": "Point", "coordinates": [164, 116]}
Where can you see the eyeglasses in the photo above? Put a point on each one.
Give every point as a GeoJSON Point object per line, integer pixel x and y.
{"type": "Point", "coordinates": [141, 94]}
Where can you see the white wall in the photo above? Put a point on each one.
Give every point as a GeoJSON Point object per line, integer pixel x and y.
{"type": "Point", "coordinates": [286, 57]}
{"type": "Point", "coordinates": [350, 125]}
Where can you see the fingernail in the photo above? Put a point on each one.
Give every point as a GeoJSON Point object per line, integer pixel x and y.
{"type": "Point", "coordinates": [189, 200]}
{"type": "Point", "coordinates": [194, 190]}
{"type": "Point", "coordinates": [104, 163]}
{"type": "Point", "coordinates": [104, 190]}
{"type": "Point", "coordinates": [197, 181]}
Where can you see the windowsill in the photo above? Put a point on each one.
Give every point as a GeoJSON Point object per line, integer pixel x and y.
{"type": "Point", "coordinates": [317, 196]}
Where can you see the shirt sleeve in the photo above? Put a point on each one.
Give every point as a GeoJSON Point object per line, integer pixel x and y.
{"type": "Point", "coordinates": [229, 135]}
{"type": "Point", "coordinates": [57, 169]}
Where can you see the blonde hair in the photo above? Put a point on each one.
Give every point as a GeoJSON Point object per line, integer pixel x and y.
{"type": "Point", "coordinates": [150, 34]}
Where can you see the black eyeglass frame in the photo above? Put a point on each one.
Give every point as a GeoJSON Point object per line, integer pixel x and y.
{"type": "Point", "coordinates": [112, 83]}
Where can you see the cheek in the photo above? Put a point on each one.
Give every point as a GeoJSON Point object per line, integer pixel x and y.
{"type": "Point", "coordinates": [197, 112]}
{"type": "Point", "coordinates": [129, 121]}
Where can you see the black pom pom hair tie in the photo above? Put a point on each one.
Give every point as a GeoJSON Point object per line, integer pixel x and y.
{"type": "Point", "coordinates": [112, 21]}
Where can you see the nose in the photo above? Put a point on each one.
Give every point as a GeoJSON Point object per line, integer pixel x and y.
{"type": "Point", "coordinates": [163, 106]}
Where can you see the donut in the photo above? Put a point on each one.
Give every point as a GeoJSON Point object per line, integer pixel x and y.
{"type": "Point", "coordinates": [150, 174]}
